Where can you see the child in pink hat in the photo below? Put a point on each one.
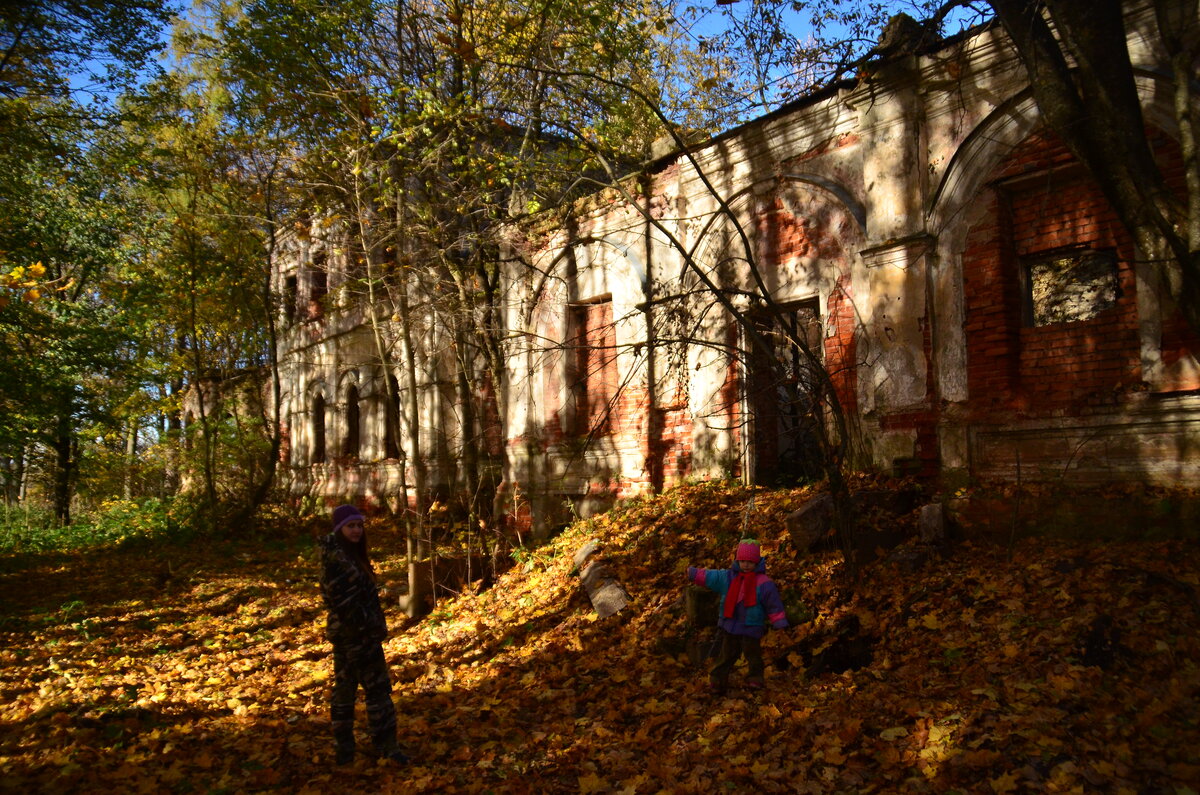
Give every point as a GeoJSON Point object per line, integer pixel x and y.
{"type": "Point", "coordinates": [748, 603]}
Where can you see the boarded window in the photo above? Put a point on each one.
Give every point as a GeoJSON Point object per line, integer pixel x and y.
{"type": "Point", "coordinates": [1069, 286]}
{"type": "Point", "coordinates": [595, 378]}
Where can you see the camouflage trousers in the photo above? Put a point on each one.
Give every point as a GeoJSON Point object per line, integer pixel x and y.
{"type": "Point", "coordinates": [356, 664]}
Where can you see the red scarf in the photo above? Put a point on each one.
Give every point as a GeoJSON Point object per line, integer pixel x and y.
{"type": "Point", "coordinates": [745, 584]}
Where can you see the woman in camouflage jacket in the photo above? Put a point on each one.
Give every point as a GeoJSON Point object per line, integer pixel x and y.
{"type": "Point", "coordinates": [357, 628]}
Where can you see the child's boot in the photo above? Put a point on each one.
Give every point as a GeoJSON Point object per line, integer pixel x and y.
{"type": "Point", "coordinates": [395, 754]}
{"type": "Point", "coordinates": [387, 748]}
{"type": "Point", "coordinates": [344, 746]}
{"type": "Point", "coordinates": [391, 752]}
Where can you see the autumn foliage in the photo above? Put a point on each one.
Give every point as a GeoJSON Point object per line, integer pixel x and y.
{"type": "Point", "coordinates": [1063, 667]}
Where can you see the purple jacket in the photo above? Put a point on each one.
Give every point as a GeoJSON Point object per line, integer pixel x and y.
{"type": "Point", "coordinates": [750, 621]}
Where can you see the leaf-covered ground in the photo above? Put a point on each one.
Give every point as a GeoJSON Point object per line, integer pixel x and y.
{"type": "Point", "coordinates": [206, 670]}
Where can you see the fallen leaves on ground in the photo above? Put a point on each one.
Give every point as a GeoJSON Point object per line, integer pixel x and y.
{"type": "Point", "coordinates": [206, 670]}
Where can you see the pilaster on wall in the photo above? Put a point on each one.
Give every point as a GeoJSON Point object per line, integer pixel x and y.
{"type": "Point", "coordinates": [893, 365]}
{"type": "Point", "coordinates": [892, 127]}
{"type": "Point", "coordinates": [891, 290]}
{"type": "Point", "coordinates": [1170, 349]}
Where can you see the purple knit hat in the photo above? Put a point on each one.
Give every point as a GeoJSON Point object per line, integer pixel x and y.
{"type": "Point", "coordinates": [344, 514]}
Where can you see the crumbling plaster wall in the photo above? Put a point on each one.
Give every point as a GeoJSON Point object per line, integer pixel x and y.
{"type": "Point", "coordinates": [861, 200]}
{"type": "Point", "coordinates": [328, 351]}
{"type": "Point", "coordinates": [892, 171]}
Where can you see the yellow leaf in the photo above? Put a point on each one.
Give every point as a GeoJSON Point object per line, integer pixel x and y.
{"type": "Point", "coordinates": [592, 783]}
{"type": "Point", "coordinates": [1005, 783]}
{"type": "Point", "coordinates": [894, 733]}
{"type": "Point", "coordinates": [931, 621]}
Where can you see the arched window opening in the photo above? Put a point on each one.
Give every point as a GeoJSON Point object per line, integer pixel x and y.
{"type": "Point", "coordinates": [290, 291]}
{"type": "Point", "coordinates": [318, 430]}
{"type": "Point", "coordinates": [318, 287]}
{"type": "Point", "coordinates": [352, 440]}
{"type": "Point", "coordinates": [391, 432]}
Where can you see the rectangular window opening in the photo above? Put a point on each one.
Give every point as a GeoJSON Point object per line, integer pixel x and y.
{"type": "Point", "coordinates": [289, 298]}
{"type": "Point", "coordinates": [595, 366]}
{"type": "Point", "coordinates": [1069, 286]}
{"type": "Point", "coordinates": [318, 289]}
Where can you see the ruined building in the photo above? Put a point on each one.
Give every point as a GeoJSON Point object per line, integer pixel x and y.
{"type": "Point", "coordinates": [978, 305]}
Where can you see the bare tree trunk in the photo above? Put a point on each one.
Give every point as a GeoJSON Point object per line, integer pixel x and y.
{"type": "Point", "coordinates": [416, 532]}
{"type": "Point", "coordinates": [23, 475]}
{"type": "Point", "coordinates": [206, 440]}
{"type": "Point", "coordinates": [130, 458]}
{"type": "Point", "coordinates": [64, 463]}
{"type": "Point", "coordinates": [493, 351]}
{"type": "Point", "coordinates": [175, 424]}
{"type": "Point", "coordinates": [415, 537]}
{"type": "Point", "coordinates": [14, 477]}
{"type": "Point", "coordinates": [274, 422]}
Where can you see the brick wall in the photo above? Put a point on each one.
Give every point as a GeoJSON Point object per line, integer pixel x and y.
{"type": "Point", "coordinates": [840, 347]}
{"type": "Point", "coordinates": [1040, 202]}
{"type": "Point", "coordinates": [669, 445]}
{"type": "Point", "coordinates": [784, 235]}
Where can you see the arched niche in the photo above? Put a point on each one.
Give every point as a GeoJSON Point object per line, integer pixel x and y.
{"type": "Point", "coordinates": [955, 207]}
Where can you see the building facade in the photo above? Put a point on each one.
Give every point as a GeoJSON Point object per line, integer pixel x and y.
{"type": "Point", "coordinates": [978, 306]}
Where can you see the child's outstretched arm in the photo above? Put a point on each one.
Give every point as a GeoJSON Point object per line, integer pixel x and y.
{"type": "Point", "coordinates": [713, 579]}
